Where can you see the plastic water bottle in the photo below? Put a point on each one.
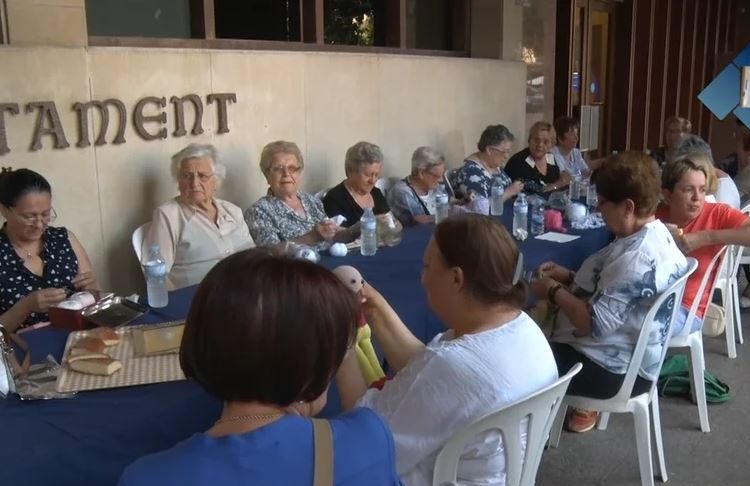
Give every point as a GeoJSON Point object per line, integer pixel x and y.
{"type": "Point", "coordinates": [521, 217]}
{"type": "Point", "coordinates": [442, 204]}
{"type": "Point", "coordinates": [369, 227]}
{"type": "Point", "coordinates": [537, 218]}
{"type": "Point", "coordinates": [155, 270]}
{"type": "Point", "coordinates": [496, 197]}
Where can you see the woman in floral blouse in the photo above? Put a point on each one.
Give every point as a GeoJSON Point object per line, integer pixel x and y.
{"type": "Point", "coordinates": [474, 178]}
{"type": "Point", "coordinates": [285, 213]}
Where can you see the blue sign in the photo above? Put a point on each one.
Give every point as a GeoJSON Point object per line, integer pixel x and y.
{"type": "Point", "coordinates": [722, 95]}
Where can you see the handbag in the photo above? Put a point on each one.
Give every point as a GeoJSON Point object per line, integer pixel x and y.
{"type": "Point", "coordinates": [323, 469]}
{"type": "Point", "coordinates": [714, 320]}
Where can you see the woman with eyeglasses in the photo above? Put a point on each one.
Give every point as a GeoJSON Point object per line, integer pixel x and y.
{"type": "Point", "coordinates": [286, 213]}
{"type": "Point", "coordinates": [39, 264]}
{"type": "Point", "coordinates": [474, 179]}
{"type": "Point", "coordinates": [412, 199]}
{"type": "Point", "coordinates": [535, 165]}
{"type": "Point", "coordinates": [195, 229]}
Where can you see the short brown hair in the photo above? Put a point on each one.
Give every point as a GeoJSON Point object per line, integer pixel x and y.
{"type": "Point", "coordinates": [542, 126]}
{"type": "Point", "coordinates": [279, 147]}
{"type": "Point", "coordinates": [482, 248]}
{"type": "Point", "coordinates": [673, 171]}
{"type": "Point", "coordinates": [630, 175]}
{"type": "Point", "coordinates": [268, 328]}
{"type": "Point", "coordinates": [564, 124]}
{"type": "Point", "coordinates": [746, 141]}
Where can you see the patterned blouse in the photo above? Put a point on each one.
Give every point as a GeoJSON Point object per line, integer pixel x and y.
{"type": "Point", "coordinates": [473, 179]}
{"type": "Point", "coordinates": [271, 221]}
{"type": "Point", "coordinates": [17, 281]}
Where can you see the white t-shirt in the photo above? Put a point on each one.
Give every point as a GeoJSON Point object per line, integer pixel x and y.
{"type": "Point", "coordinates": [727, 192]}
{"type": "Point", "coordinates": [451, 384]}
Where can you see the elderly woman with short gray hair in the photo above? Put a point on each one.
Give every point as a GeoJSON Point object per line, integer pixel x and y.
{"type": "Point", "coordinates": [411, 199]}
{"type": "Point", "coordinates": [362, 165]}
{"type": "Point", "coordinates": [195, 229]}
{"type": "Point", "coordinates": [286, 213]}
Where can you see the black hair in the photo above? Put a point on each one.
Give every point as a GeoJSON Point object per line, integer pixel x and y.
{"type": "Point", "coordinates": [14, 184]}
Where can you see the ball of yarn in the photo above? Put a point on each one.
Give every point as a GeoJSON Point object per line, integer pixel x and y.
{"type": "Point", "coordinates": [575, 212]}
{"type": "Point", "coordinates": [338, 250]}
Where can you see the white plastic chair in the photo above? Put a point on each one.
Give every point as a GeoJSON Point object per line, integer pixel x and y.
{"type": "Point", "coordinates": [726, 281]}
{"type": "Point", "coordinates": [694, 342]}
{"type": "Point", "coordinates": [137, 239]}
{"type": "Point", "coordinates": [520, 467]}
{"type": "Point", "coordinates": [385, 184]}
{"type": "Point", "coordinates": [638, 405]}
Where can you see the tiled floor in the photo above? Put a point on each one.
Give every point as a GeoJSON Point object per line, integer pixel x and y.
{"type": "Point", "coordinates": [721, 457]}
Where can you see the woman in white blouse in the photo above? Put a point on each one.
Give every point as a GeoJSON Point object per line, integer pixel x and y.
{"type": "Point", "coordinates": [195, 229]}
{"type": "Point", "coordinates": [567, 155]}
{"type": "Point", "coordinates": [492, 354]}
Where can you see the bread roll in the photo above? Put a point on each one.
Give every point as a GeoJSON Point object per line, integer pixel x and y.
{"type": "Point", "coordinates": [97, 366]}
{"type": "Point", "coordinates": [83, 355]}
{"type": "Point", "coordinates": [90, 344]}
{"type": "Point", "coordinates": [107, 335]}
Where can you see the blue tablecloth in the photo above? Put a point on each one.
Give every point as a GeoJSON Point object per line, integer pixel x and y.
{"type": "Point", "coordinates": [89, 439]}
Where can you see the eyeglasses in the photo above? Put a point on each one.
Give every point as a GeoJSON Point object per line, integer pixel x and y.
{"type": "Point", "coordinates": [190, 176]}
{"type": "Point", "coordinates": [501, 151]}
{"type": "Point", "coordinates": [288, 169]}
{"type": "Point", "coordinates": [32, 219]}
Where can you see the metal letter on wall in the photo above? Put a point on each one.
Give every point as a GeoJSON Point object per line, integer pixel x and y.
{"type": "Point", "coordinates": [13, 109]}
{"type": "Point", "coordinates": [139, 118]}
{"type": "Point", "coordinates": [47, 111]}
{"type": "Point", "coordinates": [222, 99]}
{"type": "Point", "coordinates": [103, 107]}
{"type": "Point", "coordinates": [179, 110]}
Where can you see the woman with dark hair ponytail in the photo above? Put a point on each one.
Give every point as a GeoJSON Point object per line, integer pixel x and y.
{"type": "Point", "coordinates": [38, 263]}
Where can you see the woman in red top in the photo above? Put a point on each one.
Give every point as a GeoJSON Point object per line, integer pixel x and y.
{"type": "Point", "coordinates": [699, 228]}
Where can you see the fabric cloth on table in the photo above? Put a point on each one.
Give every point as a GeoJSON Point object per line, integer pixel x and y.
{"type": "Point", "coordinates": [279, 453]}
{"type": "Point", "coordinates": [713, 216]}
{"type": "Point", "coordinates": [17, 281]}
{"type": "Point", "coordinates": [591, 221]}
{"type": "Point", "coordinates": [459, 380]}
{"type": "Point", "coordinates": [574, 164]}
{"type": "Point", "coordinates": [521, 167]}
{"type": "Point", "coordinates": [620, 282]}
{"type": "Point", "coordinates": [473, 180]}
{"type": "Point", "coordinates": [190, 243]}
{"type": "Point", "coordinates": [338, 201]}
{"type": "Point", "coordinates": [406, 203]}
{"type": "Point", "coordinates": [272, 221]}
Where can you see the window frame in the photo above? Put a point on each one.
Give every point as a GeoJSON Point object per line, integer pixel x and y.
{"type": "Point", "coordinates": [203, 32]}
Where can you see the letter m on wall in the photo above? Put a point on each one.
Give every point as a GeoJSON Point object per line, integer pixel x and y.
{"type": "Point", "coordinates": [103, 111]}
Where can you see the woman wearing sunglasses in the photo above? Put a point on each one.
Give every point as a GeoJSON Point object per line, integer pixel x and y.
{"type": "Point", "coordinates": [39, 263]}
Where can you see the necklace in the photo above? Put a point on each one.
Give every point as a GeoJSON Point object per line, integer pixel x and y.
{"type": "Point", "coordinates": [23, 252]}
{"type": "Point", "coordinates": [240, 418]}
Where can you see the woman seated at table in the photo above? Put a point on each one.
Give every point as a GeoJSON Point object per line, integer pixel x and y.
{"type": "Point", "coordinates": [265, 334]}
{"type": "Point", "coordinates": [475, 177]}
{"type": "Point", "coordinates": [362, 165]}
{"type": "Point", "coordinates": [286, 213]}
{"type": "Point", "coordinates": [700, 228]}
{"type": "Point", "coordinates": [195, 229]}
{"type": "Point", "coordinates": [492, 354]}
{"type": "Point", "coordinates": [411, 199]}
{"type": "Point", "coordinates": [39, 264]}
{"type": "Point", "coordinates": [675, 129]}
{"type": "Point", "coordinates": [720, 187]}
{"type": "Point", "coordinates": [567, 156]}
{"type": "Point", "coordinates": [602, 305]}
{"type": "Point", "coordinates": [535, 166]}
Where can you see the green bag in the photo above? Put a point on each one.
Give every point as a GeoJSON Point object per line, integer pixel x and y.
{"type": "Point", "coordinates": [674, 381]}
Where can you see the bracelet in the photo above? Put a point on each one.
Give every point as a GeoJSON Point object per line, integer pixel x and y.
{"type": "Point", "coordinates": [552, 292]}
